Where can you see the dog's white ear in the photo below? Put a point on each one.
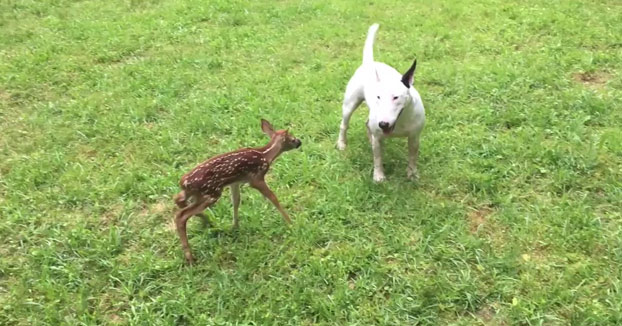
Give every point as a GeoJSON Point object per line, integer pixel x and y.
{"type": "Point", "coordinates": [377, 76]}
{"type": "Point", "coordinates": [409, 76]}
{"type": "Point", "coordinates": [266, 127]}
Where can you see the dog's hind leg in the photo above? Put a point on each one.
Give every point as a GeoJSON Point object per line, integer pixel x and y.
{"type": "Point", "coordinates": [413, 156]}
{"type": "Point", "coordinates": [351, 100]}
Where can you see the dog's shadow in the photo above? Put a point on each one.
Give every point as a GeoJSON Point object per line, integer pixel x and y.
{"type": "Point", "coordinates": [394, 155]}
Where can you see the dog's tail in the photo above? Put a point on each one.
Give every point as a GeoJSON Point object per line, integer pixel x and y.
{"type": "Point", "coordinates": [368, 50]}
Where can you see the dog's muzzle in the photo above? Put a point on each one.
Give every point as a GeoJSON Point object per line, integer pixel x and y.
{"type": "Point", "coordinates": [386, 127]}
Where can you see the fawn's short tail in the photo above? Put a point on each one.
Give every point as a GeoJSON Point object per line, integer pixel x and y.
{"type": "Point", "coordinates": [180, 199]}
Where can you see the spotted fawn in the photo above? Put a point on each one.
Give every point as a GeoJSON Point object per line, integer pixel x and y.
{"type": "Point", "coordinates": [202, 187]}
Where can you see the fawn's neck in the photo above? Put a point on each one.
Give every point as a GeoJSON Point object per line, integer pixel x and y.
{"type": "Point", "coordinates": [272, 150]}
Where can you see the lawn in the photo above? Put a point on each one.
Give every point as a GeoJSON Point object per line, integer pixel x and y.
{"type": "Point", "coordinates": [516, 218]}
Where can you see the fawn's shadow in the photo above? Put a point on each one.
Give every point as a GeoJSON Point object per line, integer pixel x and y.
{"type": "Point", "coordinates": [220, 231]}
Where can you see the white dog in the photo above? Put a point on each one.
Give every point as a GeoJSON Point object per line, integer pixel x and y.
{"type": "Point", "coordinates": [395, 107]}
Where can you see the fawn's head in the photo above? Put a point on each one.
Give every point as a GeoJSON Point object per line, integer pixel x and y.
{"type": "Point", "coordinates": [282, 137]}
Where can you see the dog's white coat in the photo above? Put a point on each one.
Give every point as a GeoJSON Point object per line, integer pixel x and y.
{"type": "Point", "coordinates": [381, 87]}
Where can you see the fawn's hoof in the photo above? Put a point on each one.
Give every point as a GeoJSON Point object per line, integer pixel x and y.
{"type": "Point", "coordinates": [190, 260]}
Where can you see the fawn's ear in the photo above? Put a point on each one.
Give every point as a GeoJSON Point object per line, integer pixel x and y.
{"type": "Point", "coordinates": [409, 76]}
{"type": "Point", "coordinates": [266, 127]}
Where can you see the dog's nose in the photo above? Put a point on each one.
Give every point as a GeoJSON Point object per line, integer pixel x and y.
{"type": "Point", "coordinates": [383, 125]}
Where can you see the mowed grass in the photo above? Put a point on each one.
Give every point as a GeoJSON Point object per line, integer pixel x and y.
{"type": "Point", "coordinates": [516, 218]}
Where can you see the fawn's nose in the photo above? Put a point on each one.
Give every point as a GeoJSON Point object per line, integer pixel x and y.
{"type": "Point", "coordinates": [297, 143]}
{"type": "Point", "coordinates": [383, 125]}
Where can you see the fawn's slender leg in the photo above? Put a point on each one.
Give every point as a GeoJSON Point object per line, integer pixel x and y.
{"type": "Point", "coordinates": [235, 198]}
{"type": "Point", "coordinates": [263, 188]}
{"type": "Point", "coordinates": [182, 218]}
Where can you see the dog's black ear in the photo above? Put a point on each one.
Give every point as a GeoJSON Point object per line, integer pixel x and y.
{"type": "Point", "coordinates": [409, 76]}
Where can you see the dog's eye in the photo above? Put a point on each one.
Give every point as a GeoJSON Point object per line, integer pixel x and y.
{"type": "Point", "coordinates": [395, 97]}
{"type": "Point", "coordinates": [378, 96]}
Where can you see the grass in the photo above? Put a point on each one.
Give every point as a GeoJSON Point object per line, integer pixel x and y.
{"type": "Point", "coordinates": [515, 220]}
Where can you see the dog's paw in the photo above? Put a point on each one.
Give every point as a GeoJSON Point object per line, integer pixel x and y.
{"type": "Point", "coordinates": [412, 174]}
{"type": "Point", "coordinates": [341, 145]}
{"type": "Point", "coordinates": [379, 176]}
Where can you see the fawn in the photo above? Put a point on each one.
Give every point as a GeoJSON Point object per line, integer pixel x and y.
{"type": "Point", "coordinates": [204, 184]}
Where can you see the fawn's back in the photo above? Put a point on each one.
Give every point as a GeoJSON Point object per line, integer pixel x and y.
{"type": "Point", "coordinates": [214, 174]}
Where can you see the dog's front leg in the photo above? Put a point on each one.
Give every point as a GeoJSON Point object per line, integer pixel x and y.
{"type": "Point", "coordinates": [376, 147]}
{"type": "Point", "coordinates": [349, 105]}
{"type": "Point", "coordinates": [413, 156]}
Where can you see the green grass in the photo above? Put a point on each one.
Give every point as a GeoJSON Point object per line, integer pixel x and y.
{"type": "Point", "coordinates": [516, 218]}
